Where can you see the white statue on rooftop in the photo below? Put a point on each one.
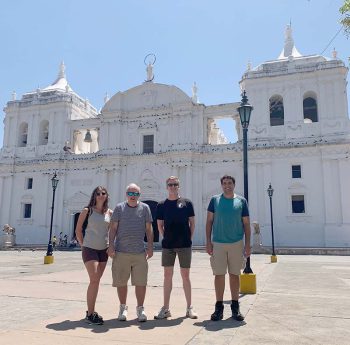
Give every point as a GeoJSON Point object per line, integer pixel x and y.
{"type": "Point", "coordinates": [149, 61]}
{"type": "Point", "coordinates": [149, 70]}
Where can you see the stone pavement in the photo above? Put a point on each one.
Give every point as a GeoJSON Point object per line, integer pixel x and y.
{"type": "Point", "coordinates": [300, 300]}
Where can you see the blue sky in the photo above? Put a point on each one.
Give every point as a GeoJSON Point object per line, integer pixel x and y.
{"type": "Point", "coordinates": [103, 43]}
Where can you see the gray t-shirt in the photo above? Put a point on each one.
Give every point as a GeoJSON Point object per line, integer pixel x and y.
{"type": "Point", "coordinates": [96, 233]}
{"type": "Point", "coordinates": [131, 227]}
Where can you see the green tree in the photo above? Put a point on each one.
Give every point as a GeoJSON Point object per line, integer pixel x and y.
{"type": "Point", "coordinates": [345, 11]}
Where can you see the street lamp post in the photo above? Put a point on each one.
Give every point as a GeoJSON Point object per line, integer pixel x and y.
{"type": "Point", "coordinates": [270, 193]}
{"type": "Point", "coordinates": [245, 110]}
{"type": "Point", "coordinates": [48, 259]}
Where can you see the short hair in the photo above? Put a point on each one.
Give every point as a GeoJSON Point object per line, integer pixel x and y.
{"type": "Point", "coordinates": [172, 178]}
{"type": "Point", "coordinates": [132, 185]}
{"type": "Point", "coordinates": [228, 177]}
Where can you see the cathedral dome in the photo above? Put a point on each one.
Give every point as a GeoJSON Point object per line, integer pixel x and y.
{"type": "Point", "coordinates": [146, 96]}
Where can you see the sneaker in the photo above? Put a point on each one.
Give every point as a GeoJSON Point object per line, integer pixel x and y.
{"type": "Point", "coordinates": [163, 314]}
{"type": "Point", "coordinates": [140, 312]}
{"type": "Point", "coordinates": [236, 314]}
{"type": "Point", "coordinates": [94, 319]}
{"type": "Point", "coordinates": [123, 312]}
{"type": "Point", "coordinates": [191, 313]}
{"type": "Point", "coordinates": [218, 313]}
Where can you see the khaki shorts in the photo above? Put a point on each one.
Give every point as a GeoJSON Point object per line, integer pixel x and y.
{"type": "Point", "coordinates": [227, 256]}
{"type": "Point", "coordinates": [126, 264]}
{"type": "Point", "coordinates": [184, 254]}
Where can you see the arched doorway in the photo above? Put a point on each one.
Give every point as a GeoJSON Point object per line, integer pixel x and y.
{"type": "Point", "coordinates": [153, 206]}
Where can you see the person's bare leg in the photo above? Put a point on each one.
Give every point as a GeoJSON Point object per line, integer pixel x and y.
{"type": "Point", "coordinates": [168, 284]}
{"type": "Point", "coordinates": [95, 270]}
{"type": "Point", "coordinates": [140, 292]}
{"type": "Point", "coordinates": [234, 286]}
{"type": "Point", "coordinates": [186, 283]}
{"type": "Point", "coordinates": [122, 294]}
{"type": "Point", "coordinates": [219, 283]}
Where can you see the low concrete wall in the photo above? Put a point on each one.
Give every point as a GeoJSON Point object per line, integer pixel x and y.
{"type": "Point", "coordinates": [302, 251]}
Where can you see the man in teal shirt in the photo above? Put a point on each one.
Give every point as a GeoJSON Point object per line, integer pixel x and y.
{"type": "Point", "coordinates": [227, 224]}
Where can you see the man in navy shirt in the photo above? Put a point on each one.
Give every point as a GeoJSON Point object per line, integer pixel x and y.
{"type": "Point", "coordinates": [175, 220]}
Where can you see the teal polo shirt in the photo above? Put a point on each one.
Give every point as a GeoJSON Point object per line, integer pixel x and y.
{"type": "Point", "coordinates": [228, 213]}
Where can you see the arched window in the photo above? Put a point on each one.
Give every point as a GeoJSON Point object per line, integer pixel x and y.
{"type": "Point", "coordinates": [276, 111]}
{"type": "Point", "coordinates": [310, 109]}
{"type": "Point", "coordinates": [44, 132]}
{"type": "Point", "coordinates": [23, 134]}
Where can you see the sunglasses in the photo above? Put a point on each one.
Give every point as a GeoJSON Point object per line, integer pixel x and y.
{"type": "Point", "coordinates": [173, 184]}
{"type": "Point", "coordinates": [132, 193]}
{"type": "Point", "coordinates": [101, 193]}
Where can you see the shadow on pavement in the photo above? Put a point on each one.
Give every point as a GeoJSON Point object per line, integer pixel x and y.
{"type": "Point", "coordinates": [214, 326]}
{"type": "Point", "coordinates": [113, 324]}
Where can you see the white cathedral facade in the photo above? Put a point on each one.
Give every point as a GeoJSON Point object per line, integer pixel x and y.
{"type": "Point", "coordinates": [298, 139]}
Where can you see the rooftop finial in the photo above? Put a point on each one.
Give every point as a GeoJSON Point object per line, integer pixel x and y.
{"type": "Point", "coordinates": [194, 93]}
{"type": "Point", "coordinates": [106, 98]}
{"type": "Point", "coordinates": [149, 61]}
{"type": "Point", "coordinates": [334, 54]}
{"type": "Point", "coordinates": [289, 47]}
{"type": "Point", "coordinates": [249, 65]}
{"type": "Point", "coordinates": [14, 95]}
{"type": "Point", "coordinates": [62, 71]}
{"type": "Point", "coordinates": [61, 82]}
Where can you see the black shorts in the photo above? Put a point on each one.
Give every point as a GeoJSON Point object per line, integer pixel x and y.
{"type": "Point", "coordinates": [89, 254]}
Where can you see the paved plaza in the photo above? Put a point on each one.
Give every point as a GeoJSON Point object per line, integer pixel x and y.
{"type": "Point", "coordinates": [300, 300]}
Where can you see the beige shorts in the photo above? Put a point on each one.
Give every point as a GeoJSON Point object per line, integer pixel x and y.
{"type": "Point", "coordinates": [227, 256]}
{"type": "Point", "coordinates": [126, 264]}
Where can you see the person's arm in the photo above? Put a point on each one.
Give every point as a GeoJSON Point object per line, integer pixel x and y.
{"type": "Point", "coordinates": [160, 225]}
{"type": "Point", "coordinates": [79, 226]}
{"type": "Point", "coordinates": [208, 230]}
{"type": "Point", "coordinates": [111, 236]}
{"type": "Point", "coordinates": [246, 226]}
{"type": "Point", "coordinates": [149, 235]}
{"type": "Point", "coordinates": [192, 225]}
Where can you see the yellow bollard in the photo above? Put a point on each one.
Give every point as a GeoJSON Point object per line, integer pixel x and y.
{"type": "Point", "coordinates": [247, 283]}
{"type": "Point", "coordinates": [247, 280]}
{"type": "Point", "coordinates": [48, 259]}
{"type": "Point", "coordinates": [273, 258]}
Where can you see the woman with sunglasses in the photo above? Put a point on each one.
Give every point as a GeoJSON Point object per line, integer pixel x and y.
{"type": "Point", "coordinates": [94, 246]}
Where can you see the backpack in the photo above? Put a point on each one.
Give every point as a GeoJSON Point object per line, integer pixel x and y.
{"type": "Point", "coordinates": [86, 221]}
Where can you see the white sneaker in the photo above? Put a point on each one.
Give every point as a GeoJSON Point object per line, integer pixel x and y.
{"type": "Point", "coordinates": [163, 314]}
{"type": "Point", "coordinates": [140, 312]}
{"type": "Point", "coordinates": [123, 312]}
{"type": "Point", "coordinates": [191, 313]}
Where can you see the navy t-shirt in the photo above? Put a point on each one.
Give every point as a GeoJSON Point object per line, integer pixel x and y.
{"type": "Point", "coordinates": [176, 214]}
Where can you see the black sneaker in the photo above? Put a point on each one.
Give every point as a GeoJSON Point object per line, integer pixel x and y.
{"type": "Point", "coordinates": [218, 313]}
{"type": "Point", "coordinates": [94, 319]}
{"type": "Point", "coordinates": [236, 314]}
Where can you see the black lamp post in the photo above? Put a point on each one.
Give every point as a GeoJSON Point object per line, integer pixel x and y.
{"type": "Point", "coordinates": [49, 257]}
{"type": "Point", "coordinates": [270, 193]}
{"type": "Point", "coordinates": [245, 110]}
